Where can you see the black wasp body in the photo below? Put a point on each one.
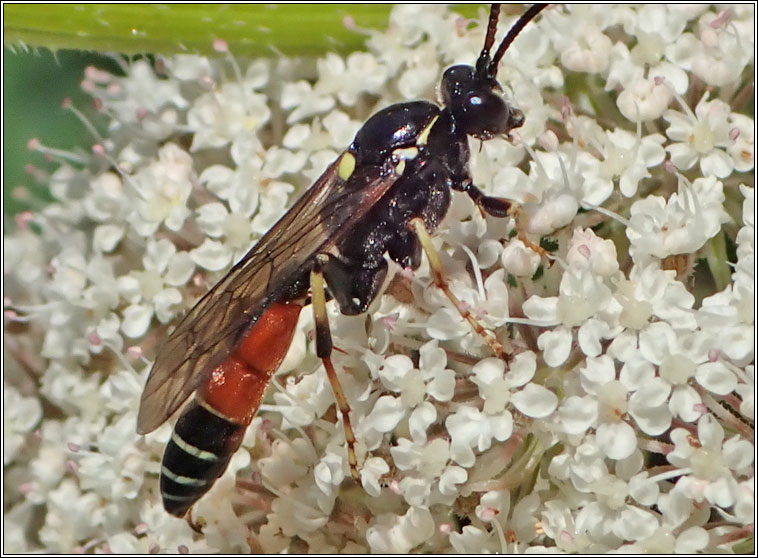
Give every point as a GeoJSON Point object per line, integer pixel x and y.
{"type": "Point", "coordinates": [382, 196]}
{"type": "Point", "coordinates": [432, 146]}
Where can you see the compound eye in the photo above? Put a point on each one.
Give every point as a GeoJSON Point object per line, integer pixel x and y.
{"type": "Point", "coordinates": [485, 104]}
{"type": "Point", "coordinates": [475, 100]}
{"type": "Point", "coordinates": [485, 113]}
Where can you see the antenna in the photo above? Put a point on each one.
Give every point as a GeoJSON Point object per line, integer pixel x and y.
{"type": "Point", "coordinates": [489, 40]}
{"type": "Point", "coordinates": [487, 67]}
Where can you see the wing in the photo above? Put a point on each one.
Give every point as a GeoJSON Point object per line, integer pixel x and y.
{"type": "Point", "coordinates": [220, 320]}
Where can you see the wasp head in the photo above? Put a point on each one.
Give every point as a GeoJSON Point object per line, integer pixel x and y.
{"type": "Point", "coordinates": [473, 94]}
{"type": "Point", "coordinates": [476, 104]}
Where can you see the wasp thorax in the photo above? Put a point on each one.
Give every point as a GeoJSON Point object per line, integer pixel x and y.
{"type": "Point", "coordinates": [476, 106]}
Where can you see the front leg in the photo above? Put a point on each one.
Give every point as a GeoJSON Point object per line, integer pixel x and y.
{"type": "Point", "coordinates": [501, 207]}
{"type": "Point", "coordinates": [497, 207]}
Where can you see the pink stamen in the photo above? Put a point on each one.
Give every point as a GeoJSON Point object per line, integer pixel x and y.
{"type": "Point", "coordinates": [140, 529]}
{"type": "Point", "coordinates": [220, 45]}
{"type": "Point", "coordinates": [489, 514]}
{"type": "Point", "coordinates": [349, 23]}
{"type": "Point", "coordinates": [23, 219]}
{"type": "Point", "coordinates": [722, 17]}
{"type": "Point", "coordinates": [670, 167]}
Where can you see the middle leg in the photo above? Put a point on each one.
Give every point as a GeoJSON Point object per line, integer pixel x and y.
{"type": "Point", "coordinates": [324, 352]}
{"type": "Point", "coordinates": [441, 282]}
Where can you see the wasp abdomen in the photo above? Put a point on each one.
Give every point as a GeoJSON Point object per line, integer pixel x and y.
{"type": "Point", "coordinates": [211, 428]}
{"type": "Point", "coordinates": [197, 454]}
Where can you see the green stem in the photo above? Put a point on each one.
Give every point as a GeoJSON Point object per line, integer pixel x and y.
{"type": "Point", "coordinates": [718, 261]}
{"type": "Point", "coordinates": [251, 30]}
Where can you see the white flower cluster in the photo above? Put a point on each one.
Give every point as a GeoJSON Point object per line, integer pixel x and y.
{"type": "Point", "coordinates": [623, 417]}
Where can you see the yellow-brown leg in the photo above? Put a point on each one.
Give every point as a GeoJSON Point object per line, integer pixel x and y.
{"type": "Point", "coordinates": [520, 218]}
{"type": "Point", "coordinates": [501, 207]}
{"type": "Point", "coordinates": [196, 526]}
{"type": "Point", "coordinates": [441, 282]}
{"type": "Point", "coordinates": [324, 352]}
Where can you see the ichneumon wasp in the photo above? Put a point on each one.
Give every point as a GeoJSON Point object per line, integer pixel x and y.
{"type": "Point", "coordinates": [384, 194]}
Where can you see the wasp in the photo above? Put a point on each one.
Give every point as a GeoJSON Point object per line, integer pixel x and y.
{"type": "Point", "coordinates": [384, 195]}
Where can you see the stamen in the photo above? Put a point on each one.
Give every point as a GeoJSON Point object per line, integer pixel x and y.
{"type": "Point", "coordinates": [69, 105]}
{"type": "Point", "coordinates": [38, 174]}
{"type": "Point", "coordinates": [607, 213]}
{"type": "Point", "coordinates": [52, 153]}
{"type": "Point", "coordinates": [477, 271]}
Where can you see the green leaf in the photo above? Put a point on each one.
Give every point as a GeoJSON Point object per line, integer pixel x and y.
{"type": "Point", "coordinates": [249, 29]}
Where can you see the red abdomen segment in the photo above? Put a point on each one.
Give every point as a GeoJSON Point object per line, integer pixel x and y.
{"type": "Point", "coordinates": [212, 426]}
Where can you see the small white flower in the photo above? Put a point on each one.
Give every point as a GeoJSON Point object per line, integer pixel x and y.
{"type": "Point", "coordinates": [116, 470]}
{"type": "Point", "coordinates": [559, 184]}
{"type": "Point", "coordinates": [20, 415]}
{"type": "Point", "coordinates": [220, 117]}
{"type": "Point", "coordinates": [346, 80]}
{"type": "Point", "coordinates": [605, 412]}
{"type": "Point", "coordinates": [681, 224]}
{"type": "Point", "coordinates": [305, 100]}
{"type": "Point", "coordinates": [712, 462]}
{"type": "Point", "coordinates": [163, 188]}
{"type": "Point", "coordinates": [234, 186]}
{"type": "Point", "coordinates": [288, 462]}
{"type": "Point", "coordinates": [302, 511]}
{"type": "Point", "coordinates": [155, 288]}
{"type": "Point", "coordinates": [109, 201]}
{"type": "Point", "coordinates": [742, 147]}
{"type": "Point", "coordinates": [535, 401]}
{"type": "Point", "coordinates": [520, 260]}
{"type": "Point", "coordinates": [701, 137]}
{"type": "Point", "coordinates": [471, 428]}
{"type": "Point", "coordinates": [328, 473]}
{"type": "Point", "coordinates": [629, 157]}
{"type": "Point", "coordinates": [643, 100]}
{"type": "Point", "coordinates": [140, 90]}
{"type": "Point", "coordinates": [398, 374]}
{"type": "Point", "coordinates": [587, 51]}
{"type": "Point", "coordinates": [450, 478]}
{"type": "Point", "coordinates": [372, 469]}
{"type": "Point", "coordinates": [399, 534]}
{"type": "Point", "coordinates": [304, 400]}
{"type": "Point", "coordinates": [717, 55]}
{"type": "Point", "coordinates": [590, 252]}
{"type": "Point", "coordinates": [473, 540]}
{"type": "Point", "coordinates": [386, 414]}
{"type": "Point", "coordinates": [559, 523]}
{"type": "Point", "coordinates": [211, 255]}
{"type": "Point", "coordinates": [584, 295]}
